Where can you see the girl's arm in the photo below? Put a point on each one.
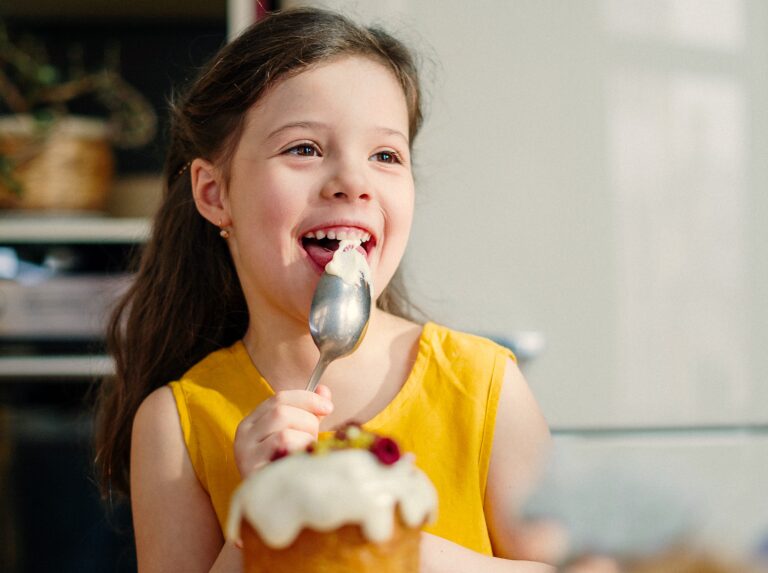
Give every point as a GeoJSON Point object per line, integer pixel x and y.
{"type": "Point", "coordinates": [521, 445]}
{"type": "Point", "coordinates": [174, 522]}
{"type": "Point", "coordinates": [439, 555]}
{"type": "Point", "coordinates": [175, 526]}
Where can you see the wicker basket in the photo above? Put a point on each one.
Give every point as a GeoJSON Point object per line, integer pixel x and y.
{"type": "Point", "coordinates": [70, 168]}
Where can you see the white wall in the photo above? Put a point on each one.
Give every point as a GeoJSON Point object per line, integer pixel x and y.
{"type": "Point", "coordinates": [595, 170]}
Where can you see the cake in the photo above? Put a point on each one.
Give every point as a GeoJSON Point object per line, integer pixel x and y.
{"type": "Point", "coordinates": [348, 504]}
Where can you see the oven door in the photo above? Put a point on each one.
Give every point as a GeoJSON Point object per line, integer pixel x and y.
{"type": "Point", "coordinates": [54, 302]}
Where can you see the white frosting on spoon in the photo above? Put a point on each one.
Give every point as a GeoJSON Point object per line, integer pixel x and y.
{"type": "Point", "coordinates": [349, 263]}
{"type": "Point", "coordinates": [325, 492]}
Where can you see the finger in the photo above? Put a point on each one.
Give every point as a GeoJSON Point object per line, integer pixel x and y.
{"type": "Point", "coordinates": [255, 456]}
{"type": "Point", "coordinates": [285, 417]}
{"type": "Point", "coordinates": [302, 399]}
{"type": "Point", "coordinates": [280, 444]}
{"type": "Point", "coordinates": [325, 392]}
{"type": "Point", "coordinates": [290, 440]}
{"type": "Point", "coordinates": [309, 401]}
{"type": "Point", "coordinates": [278, 419]}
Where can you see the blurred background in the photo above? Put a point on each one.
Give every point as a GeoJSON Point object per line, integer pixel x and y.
{"type": "Point", "coordinates": [591, 192]}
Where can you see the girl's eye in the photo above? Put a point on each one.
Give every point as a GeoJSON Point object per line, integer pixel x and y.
{"type": "Point", "coordinates": [304, 150]}
{"type": "Point", "coordinates": [386, 157]}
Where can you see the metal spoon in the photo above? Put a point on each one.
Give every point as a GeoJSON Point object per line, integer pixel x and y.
{"type": "Point", "coordinates": [338, 319]}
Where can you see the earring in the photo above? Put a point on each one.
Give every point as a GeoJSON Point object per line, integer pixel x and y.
{"type": "Point", "coordinates": [222, 231]}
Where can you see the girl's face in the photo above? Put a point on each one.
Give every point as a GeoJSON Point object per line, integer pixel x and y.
{"type": "Point", "coordinates": [323, 153]}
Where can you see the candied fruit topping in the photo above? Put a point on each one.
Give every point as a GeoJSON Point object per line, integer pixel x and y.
{"type": "Point", "coordinates": [351, 436]}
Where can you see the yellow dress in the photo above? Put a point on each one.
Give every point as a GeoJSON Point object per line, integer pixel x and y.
{"type": "Point", "coordinates": [445, 414]}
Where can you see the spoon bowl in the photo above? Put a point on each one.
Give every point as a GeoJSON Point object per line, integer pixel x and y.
{"type": "Point", "coordinates": [338, 319]}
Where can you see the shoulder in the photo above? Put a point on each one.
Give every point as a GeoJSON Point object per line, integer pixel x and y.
{"type": "Point", "coordinates": [521, 418]}
{"type": "Point", "coordinates": [155, 408]}
{"type": "Point", "coordinates": [156, 422]}
{"type": "Point", "coordinates": [157, 442]}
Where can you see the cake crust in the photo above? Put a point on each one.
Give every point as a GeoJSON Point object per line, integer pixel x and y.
{"type": "Point", "coordinates": [344, 550]}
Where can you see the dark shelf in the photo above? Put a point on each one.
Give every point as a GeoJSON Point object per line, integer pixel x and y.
{"type": "Point", "coordinates": [101, 9]}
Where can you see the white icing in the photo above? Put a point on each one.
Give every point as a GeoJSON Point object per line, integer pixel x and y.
{"type": "Point", "coordinates": [349, 263]}
{"type": "Point", "coordinates": [325, 492]}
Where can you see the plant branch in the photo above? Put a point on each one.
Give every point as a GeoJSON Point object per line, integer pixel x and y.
{"type": "Point", "coordinates": [69, 90]}
{"type": "Point", "coordinates": [11, 95]}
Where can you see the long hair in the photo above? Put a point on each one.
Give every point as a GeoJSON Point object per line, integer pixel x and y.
{"type": "Point", "coordinates": [186, 300]}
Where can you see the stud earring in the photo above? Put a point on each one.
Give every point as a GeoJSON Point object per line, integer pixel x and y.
{"type": "Point", "coordinates": [222, 231]}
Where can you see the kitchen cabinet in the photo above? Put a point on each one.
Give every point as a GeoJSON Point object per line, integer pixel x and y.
{"type": "Point", "coordinates": [58, 278]}
{"type": "Point", "coordinates": [55, 279]}
{"type": "Point", "coordinates": [52, 314]}
{"type": "Point", "coordinates": [154, 47]}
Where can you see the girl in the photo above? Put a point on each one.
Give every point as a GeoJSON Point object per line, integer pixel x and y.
{"type": "Point", "coordinates": [298, 134]}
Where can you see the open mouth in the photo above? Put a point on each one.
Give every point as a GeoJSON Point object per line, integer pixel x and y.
{"type": "Point", "coordinates": [321, 244]}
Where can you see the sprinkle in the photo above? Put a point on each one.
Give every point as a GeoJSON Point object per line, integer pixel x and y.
{"type": "Point", "coordinates": [351, 436]}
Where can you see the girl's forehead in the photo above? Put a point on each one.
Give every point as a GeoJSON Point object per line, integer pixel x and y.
{"type": "Point", "coordinates": [349, 64]}
{"type": "Point", "coordinates": [349, 79]}
{"type": "Point", "coordinates": [337, 77]}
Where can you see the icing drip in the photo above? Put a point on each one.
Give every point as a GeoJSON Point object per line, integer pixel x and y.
{"type": "Point", "coordinates": [325, 492]}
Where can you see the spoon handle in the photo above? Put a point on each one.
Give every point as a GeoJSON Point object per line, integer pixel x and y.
{"type": "Point", "coordinates": [322, 364]}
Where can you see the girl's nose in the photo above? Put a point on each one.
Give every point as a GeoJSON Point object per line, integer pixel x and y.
{"type": "Point", "coordinates": [348, 183]}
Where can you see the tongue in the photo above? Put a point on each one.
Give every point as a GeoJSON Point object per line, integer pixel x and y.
{"type": "Point", "coordinates": [320, 255]}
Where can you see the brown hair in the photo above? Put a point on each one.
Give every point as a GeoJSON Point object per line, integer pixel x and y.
{"type": "Point", "coordinates": [186, 300]}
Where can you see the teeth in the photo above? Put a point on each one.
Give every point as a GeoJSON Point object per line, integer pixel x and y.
{"type": "Point", "coordinates": [341, 235]}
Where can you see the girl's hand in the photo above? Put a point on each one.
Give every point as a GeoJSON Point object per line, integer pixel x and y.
{"type": "Point", "coordinates": [286, 422]}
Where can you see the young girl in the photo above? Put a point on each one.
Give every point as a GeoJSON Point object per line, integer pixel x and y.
{"type": "Point", "coordinates": [298, 134]}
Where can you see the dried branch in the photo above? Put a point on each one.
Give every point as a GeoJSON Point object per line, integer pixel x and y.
{"type": "Point", "coordinates": [11, 95]}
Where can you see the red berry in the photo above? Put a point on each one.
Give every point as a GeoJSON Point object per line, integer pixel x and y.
{"type": "Point", "coordinates": [386, 450]}
{"type": "Point", "coordinates": [278, 453]}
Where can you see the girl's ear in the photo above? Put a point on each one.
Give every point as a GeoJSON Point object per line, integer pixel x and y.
{"type": "Point", "coordinates": [209, 192]}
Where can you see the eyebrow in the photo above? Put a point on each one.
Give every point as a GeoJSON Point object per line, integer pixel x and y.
{"type": "Point", "coordinates": [295, 124]}
{"type": "Point", "coordinates": [390, 131]}
{"type": "Point", "coordinates": [321, 125]}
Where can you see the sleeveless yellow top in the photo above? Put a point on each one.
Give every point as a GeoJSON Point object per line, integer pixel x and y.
{"type": "Point", "coordinates": [445, 414]}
